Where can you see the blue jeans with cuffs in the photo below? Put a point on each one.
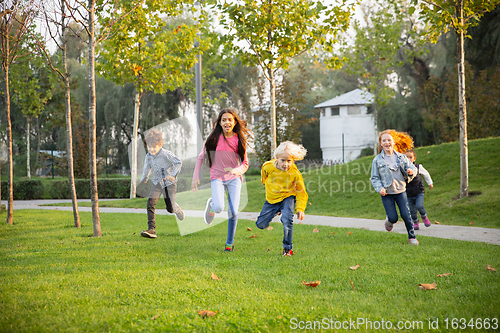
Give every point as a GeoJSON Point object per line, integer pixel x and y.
{"type": "Point", "coordinates": [390, 201]}
{"type": "Point", "coordinates": [417, 206]}
{"type": "Point", "coordinates": [286, 207]}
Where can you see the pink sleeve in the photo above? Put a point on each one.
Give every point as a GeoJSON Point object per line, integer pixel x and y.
{"type": "Point", "coordinates": [199, 161]}
{"type": "Point", "coordinates": [242, 168]}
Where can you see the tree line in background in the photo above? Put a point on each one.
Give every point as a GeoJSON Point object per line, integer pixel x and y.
{"type": "Point", "coordinates": [414, 81]}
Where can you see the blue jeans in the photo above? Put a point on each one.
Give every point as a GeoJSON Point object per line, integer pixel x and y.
{"type": "Point", "coordinates": [417, 204]}
{"type": "Point", "coordinates": [286, 207]}
{"type": "Point", "coordinates": [390, 201]}
{"type": "Point", "coordinates": [233, 188]}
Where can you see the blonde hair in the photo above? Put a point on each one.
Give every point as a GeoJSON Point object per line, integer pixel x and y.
{"type": "Point", "coordinates": [402, 140]}
{"type": "Point", "coordinates": [295, 151]}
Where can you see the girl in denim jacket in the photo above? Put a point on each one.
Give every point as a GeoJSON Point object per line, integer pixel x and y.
{"type": "Point", "coordinates": [390, 173]}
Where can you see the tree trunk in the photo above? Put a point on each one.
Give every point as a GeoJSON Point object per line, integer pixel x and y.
{"type": "Point", "coordinates": [69, 129]}
{"type": "Point", "coordinates": [133, 167]}
{"type": "Point", "coordinates": [272, 86]}
{"type": "Point", "coordinates": [28, 148]}
{"type": "Point", "coordinates": [462, 113]}
{"type": "Point", "coordinates": [96, 220]}
{"type": "Point", "coordinates": [38, 142]}
{"type": "Point", "coordinates": [10, 162]}
{"type": "Point", "coordinates": [375, 146]}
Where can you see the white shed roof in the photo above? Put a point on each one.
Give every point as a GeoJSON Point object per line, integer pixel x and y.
{"type": "Point", "coordinates": [355, 97]}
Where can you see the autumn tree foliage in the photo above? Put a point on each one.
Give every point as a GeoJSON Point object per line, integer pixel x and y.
{"type": "Point", "coordinates": [269, 34]}
{"type": "Point", "coordinates": [150, 50]}
{"type": "Point", "coordinates": [458, 16]}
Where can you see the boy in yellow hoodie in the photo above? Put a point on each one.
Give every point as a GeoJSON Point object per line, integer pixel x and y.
{"type": "Point", "coordinates": [285, 191]}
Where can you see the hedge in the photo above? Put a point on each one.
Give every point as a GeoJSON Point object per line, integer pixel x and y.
{"type": "Point", "coordinates": [24, 189]}
{"type": "Point", "coordinates": [59, 189]}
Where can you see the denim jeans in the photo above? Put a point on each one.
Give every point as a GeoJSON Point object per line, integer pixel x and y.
{"type": "Point", "coordinates": [286, 207]}
{"type": "Point", "coordinates": [417, 204]}
{"type": "Point", "coordinates": [390, 201]}
{"type": "Point", "coordinates": [233, 188]}
{"type": "Point", "coordinates": [154, 195]}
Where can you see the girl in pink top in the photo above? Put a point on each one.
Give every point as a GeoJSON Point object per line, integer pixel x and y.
{"type": "Point", "coordinates": [227, 157]}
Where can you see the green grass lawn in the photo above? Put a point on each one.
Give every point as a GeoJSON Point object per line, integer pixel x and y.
{"type": "Point", "coordinates": [346, 191]}
{"type": "Point", "coordinates": [56, 278]}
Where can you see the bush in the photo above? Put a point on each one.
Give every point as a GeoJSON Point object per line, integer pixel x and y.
{"type": "Point", "coordinates": [59, 189]}
{"type": "Point", "coordinates": [25, 189]}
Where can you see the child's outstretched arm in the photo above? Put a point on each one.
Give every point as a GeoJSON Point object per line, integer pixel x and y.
{"type": "Point", "coordinates": [241, 169]}
{"type": "Point", "coordinates": [196, 173]}
{"type": "Point", "coordinates": [426, 175]}
{"type": "Point", "coordinates": [300, 189]}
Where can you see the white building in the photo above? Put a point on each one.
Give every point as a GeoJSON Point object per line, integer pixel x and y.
{"type": "Point", "coordinates": [346, 125]}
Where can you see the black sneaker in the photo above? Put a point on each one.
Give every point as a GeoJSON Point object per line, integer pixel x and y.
{"type": "Point", "coordinates": [229, 248]}
{"type": "Point", "coordinates": [179, 212]}
{"type": "Point", "coordinates": [150, 233]}
{"type": "Point", "coordinates": [209, 213]}
{"type": "Point", "coordinates": [287, 253]}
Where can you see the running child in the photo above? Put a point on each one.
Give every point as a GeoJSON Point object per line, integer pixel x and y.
{"type": "Point", "coordinates": [391, 171]}
{"type": "Point", "coordinates": [415, 192]}
{"type": "Point", "coordinates": [285, 191]}
{"type": "Point", "coordinates": [226, 153]}
{"type": "Point", "coordinates": [165, 167]}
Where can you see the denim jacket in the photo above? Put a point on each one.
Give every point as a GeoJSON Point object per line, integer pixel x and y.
{"type": "Point", "coordinates": [381, 175]}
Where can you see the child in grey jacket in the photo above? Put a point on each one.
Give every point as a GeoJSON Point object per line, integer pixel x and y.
{"type": "Point", "coordinates": [165, 167]}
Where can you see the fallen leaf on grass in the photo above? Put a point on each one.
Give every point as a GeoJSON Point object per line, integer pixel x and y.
{"type": "Point", "coordinates": [471, 222]}
{"type": "Point", "coordinates": [332, 233]}
{"type": "Point", "coordinates": [444, 274]}
{"type": "Point", "coordinates": [268, 249]}
{"type": "Point", "coordinates": [270, 228]}
{"type": "Point", "coordinates": [490, 268]}
{"type": "Point", "coordinates": [253, 236]}
{"type": "Point", "coordinates": [155, 317]}
{"type": "Point", "coordinates": [301, 223]}
{"type": "Point", "coordinates": [349, 233]}
{"type": "Point", "coordinates": [127, 243]}
{"type": "Point", "coordinates": [207, 313]}
{"type": "Point", "coordinates": [352, 284]}
{"type": "Point", "coordinates": [316, 230]}
{"type": "Point", "coordinates": [354, 267]}
{"type": "Point", "coordinates": [436, 222]}
{"type": "Point", "coordinates": [311, 284]}
{"type": "Point", "coordinates": [310, 203]}
{"type": "Point", "coordinates": [428, 286]}
{"type": "Point", "coordinates": [249, 229]}
{"type": "Point", "coordinates": [214, 277]}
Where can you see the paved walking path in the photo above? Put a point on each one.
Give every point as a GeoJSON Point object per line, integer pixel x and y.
{"type": "Point", "coordinates": [487, 235]}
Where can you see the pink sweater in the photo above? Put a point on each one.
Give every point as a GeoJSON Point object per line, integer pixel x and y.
{"type": "Point", "coordinates": [225, 156]}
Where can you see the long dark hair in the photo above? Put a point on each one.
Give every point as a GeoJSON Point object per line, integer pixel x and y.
{"type": "Point", "coordinates": [240, 129]}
